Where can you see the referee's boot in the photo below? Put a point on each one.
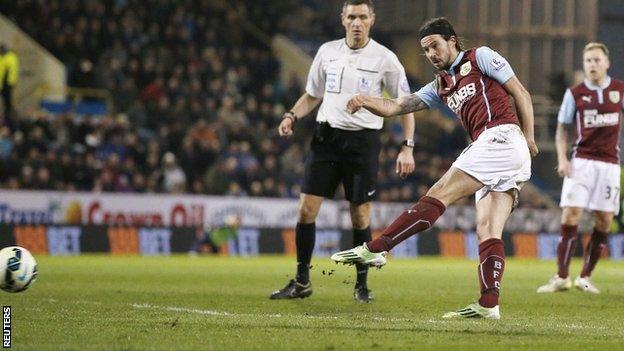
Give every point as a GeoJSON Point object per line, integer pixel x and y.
{"type": "Point", "coordinates": [362, 294]}
{"type": "Point", "coordinates": [292, 290]}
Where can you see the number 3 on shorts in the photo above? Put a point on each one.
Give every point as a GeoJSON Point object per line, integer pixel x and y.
{"type": "Point", "coordinates": [615, 191]}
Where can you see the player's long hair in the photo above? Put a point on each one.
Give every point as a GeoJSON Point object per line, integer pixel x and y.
{"type": "Point", "coordinates": [444, 25]}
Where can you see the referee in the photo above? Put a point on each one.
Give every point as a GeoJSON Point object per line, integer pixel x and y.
{"type": "Point", "coordinates": [345, 147]}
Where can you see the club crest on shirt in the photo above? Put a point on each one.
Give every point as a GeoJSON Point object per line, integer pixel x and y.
{"type": "Point", "coordinates": [364, 84]}
{"type": "Point", "coordinates": [614, 96]}
{"type": "Point", "coordinates": [465, 68]}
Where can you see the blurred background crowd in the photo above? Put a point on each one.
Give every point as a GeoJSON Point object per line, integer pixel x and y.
{"type": "Point", "coordinates": [196, 103]}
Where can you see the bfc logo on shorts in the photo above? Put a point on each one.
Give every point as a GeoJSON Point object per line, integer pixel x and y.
{"type": "Point", "coordinates": [458, 98]}
{"type": "Point", "coordinates": [593, 119]}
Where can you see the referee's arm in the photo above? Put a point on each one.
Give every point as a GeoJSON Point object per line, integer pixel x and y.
{"type": "Point", "coordinates": [302, 108]}
{"type": "Point", "coordinates": [305, 105]}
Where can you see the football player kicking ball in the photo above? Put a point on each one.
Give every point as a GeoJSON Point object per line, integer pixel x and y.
{"type": "Point", "coordinates": [592, 179]}
{"type": "Point", "coordinates": [475, 85]}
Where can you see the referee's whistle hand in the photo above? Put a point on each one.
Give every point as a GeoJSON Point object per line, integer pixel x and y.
{"type": "Point", "coordinates": [355, 103]}
{"type": "Point", "coordinates": [285, 127]}
{"type": "Point", "coordinates": [405, 164]}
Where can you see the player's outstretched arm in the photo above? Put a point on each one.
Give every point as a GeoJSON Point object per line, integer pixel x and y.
{"type": "Point", "coordinates": [384, 107]}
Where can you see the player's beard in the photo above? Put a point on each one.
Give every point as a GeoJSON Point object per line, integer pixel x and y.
{"type": "Point", "coordinates": [447, 63]}
{"type": "Point", "coordinates": [445, 67]}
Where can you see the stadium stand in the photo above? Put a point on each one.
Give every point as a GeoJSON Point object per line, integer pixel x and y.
{"type": "Point", "coordinates": [196, 100]}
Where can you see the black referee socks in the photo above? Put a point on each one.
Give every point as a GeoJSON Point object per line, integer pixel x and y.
{"type": "Point", "coordinates": [304, 239]}
{"type": "Point", "coordinates": [360, 236]}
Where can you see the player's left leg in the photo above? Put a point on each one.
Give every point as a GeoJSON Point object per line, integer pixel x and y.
{"type": "Point", "coordinates": [570, 218]}
{"type": "Point", "coordinates": [360, 218]}
{"type": "Point", "coordinates": [594, 249]}
{"type": "Point", "coordinates": [454, 185]}
{"type": "Point", "coordinates": [492, 213]}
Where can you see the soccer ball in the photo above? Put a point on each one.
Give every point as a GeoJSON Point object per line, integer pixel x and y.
{"type": "Point", "coordinates": [18, 269]}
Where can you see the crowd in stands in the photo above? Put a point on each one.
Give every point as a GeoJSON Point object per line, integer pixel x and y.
{"type": "Point", "coordinates": [196, 105]}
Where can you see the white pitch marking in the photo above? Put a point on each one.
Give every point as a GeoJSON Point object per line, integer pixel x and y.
{"type": "Point", "coordinates": [182, 309]}
{"type": "Point", "coordinates": [230, 314]}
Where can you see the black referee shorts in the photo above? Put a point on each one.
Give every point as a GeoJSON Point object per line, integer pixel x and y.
{"type": "Point", "coordinates": [350, 157]}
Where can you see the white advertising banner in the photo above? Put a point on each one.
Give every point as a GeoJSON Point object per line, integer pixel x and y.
{"type": "Point", "coordinates": [50, 207]}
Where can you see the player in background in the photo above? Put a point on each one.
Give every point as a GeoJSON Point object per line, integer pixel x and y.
{"type": "Point", "coordinates": [592, 176]}
{"type": "Point", "coordinates": [345, 148]}
{"type": "Point", "coordinates": [475, 85]}
{"type": "Point", "coordinates": [215, 237]}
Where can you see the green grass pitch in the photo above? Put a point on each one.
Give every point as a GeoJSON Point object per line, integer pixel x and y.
{"type": "Point", "coordinates": [216, 303]}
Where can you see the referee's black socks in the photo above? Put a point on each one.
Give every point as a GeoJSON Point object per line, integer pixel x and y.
{"type": "Point", "coordinates": [305, 235]}
{"type": "Point", "coordinates": [360, 236]}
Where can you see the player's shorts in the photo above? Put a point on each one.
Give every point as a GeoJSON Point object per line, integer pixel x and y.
{"type": "Point", "coordinates": [499, 159]}
{"type": "Point", "coordinates": [350, 157]}
{"type": "Point", "coordinates": [594, 185]}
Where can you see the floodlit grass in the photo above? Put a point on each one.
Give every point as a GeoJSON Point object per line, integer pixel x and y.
{"type": "Point", "coordinates": [209, 303]}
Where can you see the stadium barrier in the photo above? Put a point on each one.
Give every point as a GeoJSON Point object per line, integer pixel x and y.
{"type": "Point", "coordinates": [58, 223]}
{"type": "Point", "coordinates": [57, 240]}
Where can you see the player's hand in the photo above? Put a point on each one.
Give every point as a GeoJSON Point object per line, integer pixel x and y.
{"type": "Point", "coordinates": [285, 127]}
{"type": "Point", "coordinates": [532, 147]}
{"type": "Point", "coordinates": [357, 101]}
{"type": "Point", "coordinates": [405, 164]}
{"type": "Point", "coordinates": [563, 168]}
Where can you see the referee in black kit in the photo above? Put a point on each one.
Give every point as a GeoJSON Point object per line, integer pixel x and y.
{"type": "Point", "coordinates": [345, 147]}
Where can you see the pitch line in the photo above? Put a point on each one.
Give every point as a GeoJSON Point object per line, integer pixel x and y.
{"type": "Point", "coordinates": [230, 314]}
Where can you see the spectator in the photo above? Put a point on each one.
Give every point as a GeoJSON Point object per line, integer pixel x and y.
{"type": "Point", "coordinates": [9, 74]}
{"type": "Point", "coordinates": [183, 87]}
{"type": "Point", "coordinates": [174, 179]}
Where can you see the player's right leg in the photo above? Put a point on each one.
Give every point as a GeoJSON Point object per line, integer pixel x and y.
{"type": "Point", "coordinates": [492, 213]}
{"type": "Point", "coordinates": [305, 234]}
{"type": "Point", "coordinates": [570, 218]}
{"type": "Point", "coordinates": [595, 246]}
{"type": "Point", "coordinates": [454, 185]}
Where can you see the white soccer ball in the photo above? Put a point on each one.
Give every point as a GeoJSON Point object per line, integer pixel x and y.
{"type": "Point", "coordinates": [18, 269]}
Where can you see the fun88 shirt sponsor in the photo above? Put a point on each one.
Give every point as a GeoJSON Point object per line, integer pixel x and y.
{"type": "Point", "coordinates": [472, 90]}
{"type": "Point", "coordinates": [596, 112]}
